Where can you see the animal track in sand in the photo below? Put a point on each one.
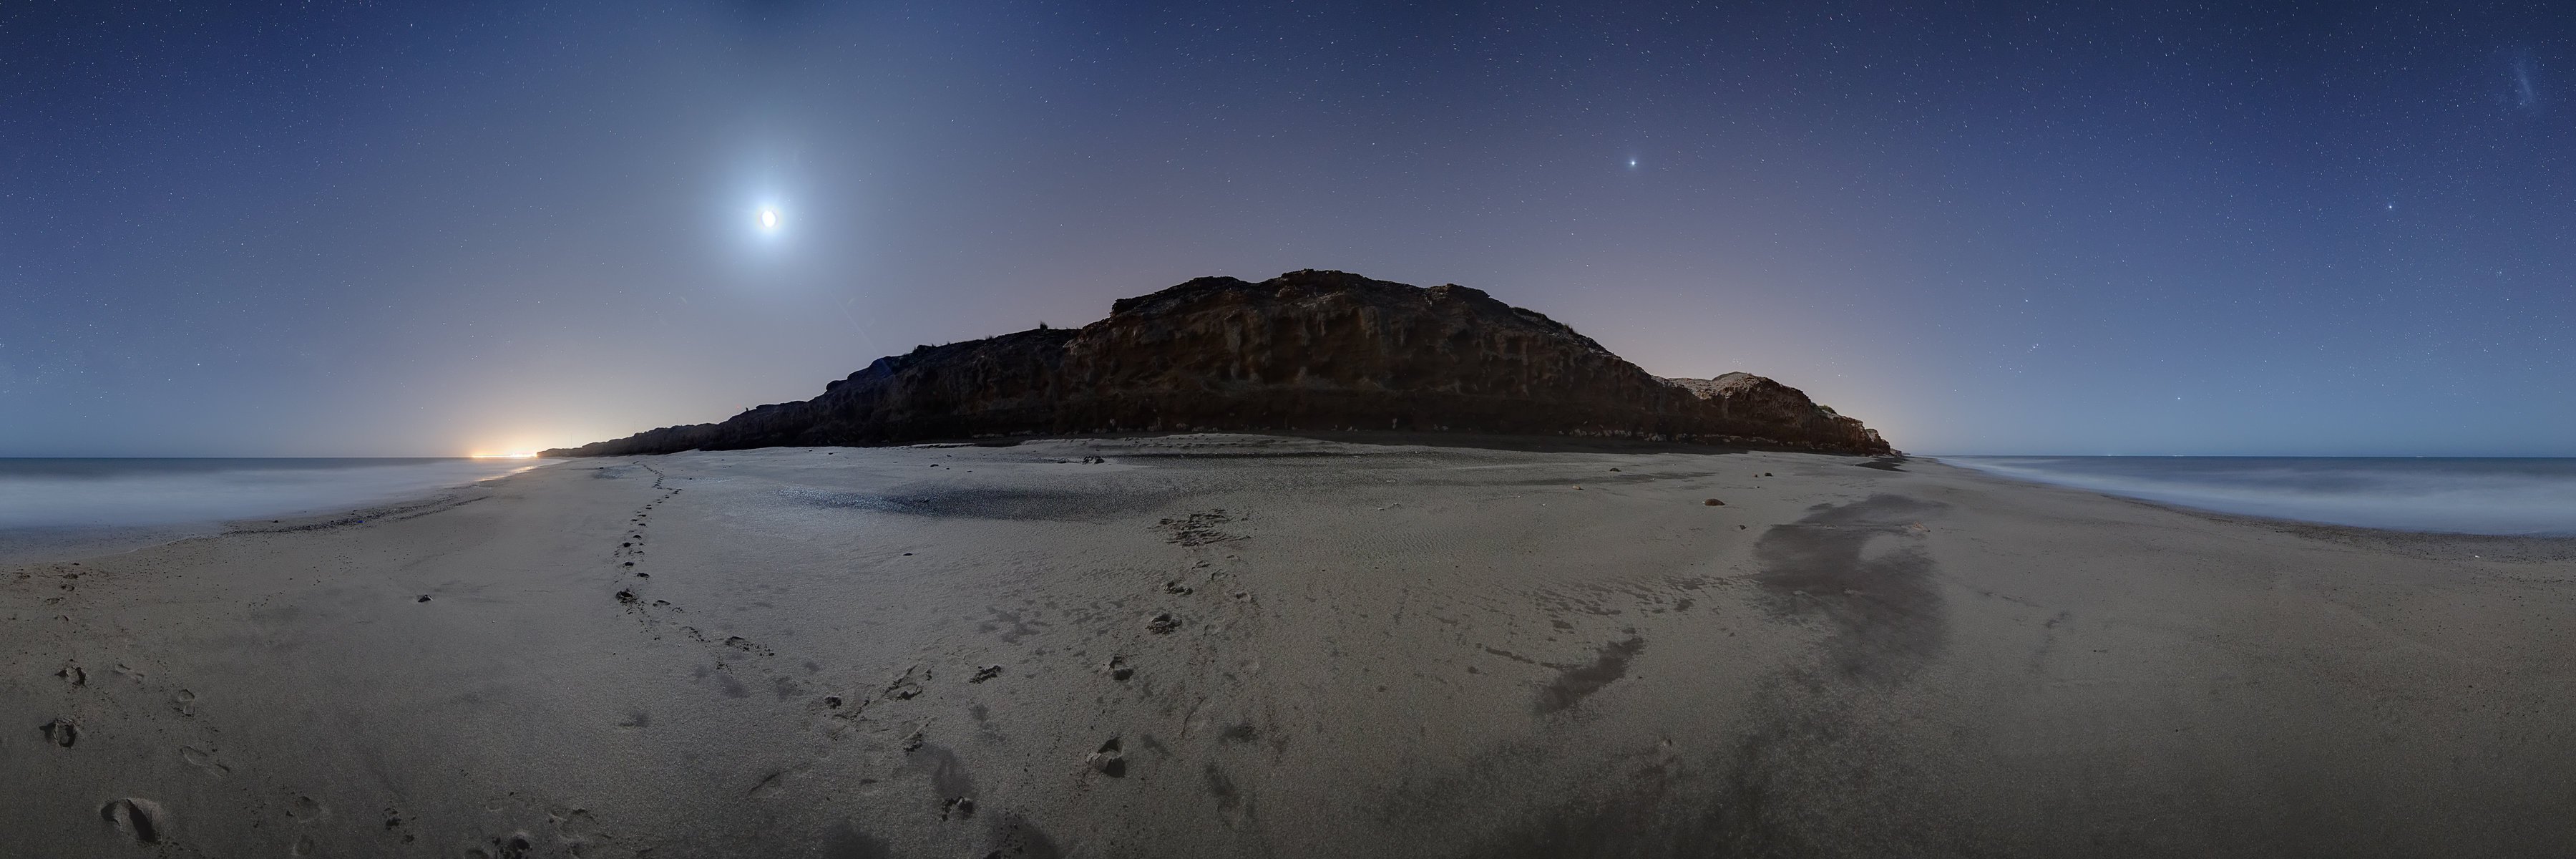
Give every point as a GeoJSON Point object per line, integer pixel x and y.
{"type": "Point", "coordinates": [394, 822]}
{"type": "Point", "coordinates": [62, 731]}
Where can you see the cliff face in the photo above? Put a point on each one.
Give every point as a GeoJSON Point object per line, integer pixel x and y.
{"type": "Point", "coordinates": [1308, 350]}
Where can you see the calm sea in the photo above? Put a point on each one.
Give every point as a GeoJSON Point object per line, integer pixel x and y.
{"type": "Point", "coordinates": [2467, 496]}
{"type": "Point", "coordinates": [65, 507]}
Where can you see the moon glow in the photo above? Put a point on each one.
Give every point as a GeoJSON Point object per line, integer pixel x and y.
{"type": "Point", "coordinates": [769, 219]}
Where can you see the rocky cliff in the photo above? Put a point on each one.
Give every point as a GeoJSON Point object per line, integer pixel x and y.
{"type": "Point", "coordinates": [1307, 350]}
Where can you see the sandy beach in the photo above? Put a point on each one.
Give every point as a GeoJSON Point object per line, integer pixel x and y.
{"type": "Point", "coordinates": [1232, 645]}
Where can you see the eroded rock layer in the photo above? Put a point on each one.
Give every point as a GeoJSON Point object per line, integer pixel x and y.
{"type": "Point", "coordinates": [1307, 350]}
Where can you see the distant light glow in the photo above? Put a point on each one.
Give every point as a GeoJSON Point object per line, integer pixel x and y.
{"type": "Point", "coordinates": [521, 455]}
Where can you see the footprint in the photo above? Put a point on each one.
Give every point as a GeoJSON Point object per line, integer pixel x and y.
{"type": "Point", "coordinates": [303, 846]}
{"type": "Point", "coordinates": [62, 731]}
{"type": "Point", "coordinates": [513, 846]}
{"type": "Point", "coordinates": [574, 824]}
{"type": "Point", "coordinates": [185, 702]}
{"type": "Point", "coordinates": [143, 820]}
{"type": "Point", "coordinates": [204, 760]}
{"type": "Point", "coordinates": [73, 674]}
{"type": "Point", "coordinates": [305, 809]}
{"type": "Point", "coordinates": [985, 673]}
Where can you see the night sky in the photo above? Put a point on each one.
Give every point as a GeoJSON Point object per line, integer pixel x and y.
{"type": "Point", "coordinates": [448, 228]}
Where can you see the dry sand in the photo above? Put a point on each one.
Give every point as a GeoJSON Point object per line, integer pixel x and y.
{"type": "Point", "coordinates": [1367, 650]}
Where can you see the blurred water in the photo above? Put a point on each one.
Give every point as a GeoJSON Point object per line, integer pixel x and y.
{"type": "Point", "coordinates": [2467, 496]}
{"type": "Point", "coordinates": [64, 507]}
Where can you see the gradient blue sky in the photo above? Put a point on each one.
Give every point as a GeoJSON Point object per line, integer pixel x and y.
{"type": "Point", "coordinates": [391, 229]}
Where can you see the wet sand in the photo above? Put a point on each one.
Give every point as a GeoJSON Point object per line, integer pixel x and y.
{"type": "Point", "coordinates": [1254, 646]}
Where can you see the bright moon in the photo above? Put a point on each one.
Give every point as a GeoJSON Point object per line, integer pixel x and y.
{"type": "Point", "coordinates": [769, 219]}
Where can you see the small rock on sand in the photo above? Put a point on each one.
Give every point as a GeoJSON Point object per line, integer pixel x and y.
{"type": "Point", "coordinates": [1713, 503]}
{"type": "Point", "coordinates": [985, 673]}
{"type": "Point", "coordinates": [1108, 761]}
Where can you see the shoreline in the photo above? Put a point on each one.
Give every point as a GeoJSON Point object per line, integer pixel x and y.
{"type": "Point", "coordinates": [61, 543]}
{"type": "Point", "coordinates": [2535, 547]}
{"type": "Point", "coordinates": [2522, 548]}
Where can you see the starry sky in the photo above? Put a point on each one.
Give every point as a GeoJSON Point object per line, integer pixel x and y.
{"type": "Point", "coordinates": [476, 227]}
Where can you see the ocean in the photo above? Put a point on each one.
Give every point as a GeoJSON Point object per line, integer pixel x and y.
{"type": "Point", "coordinates": [51, 508]}
{"type": "Point", "coordinates": [2535, 497]}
